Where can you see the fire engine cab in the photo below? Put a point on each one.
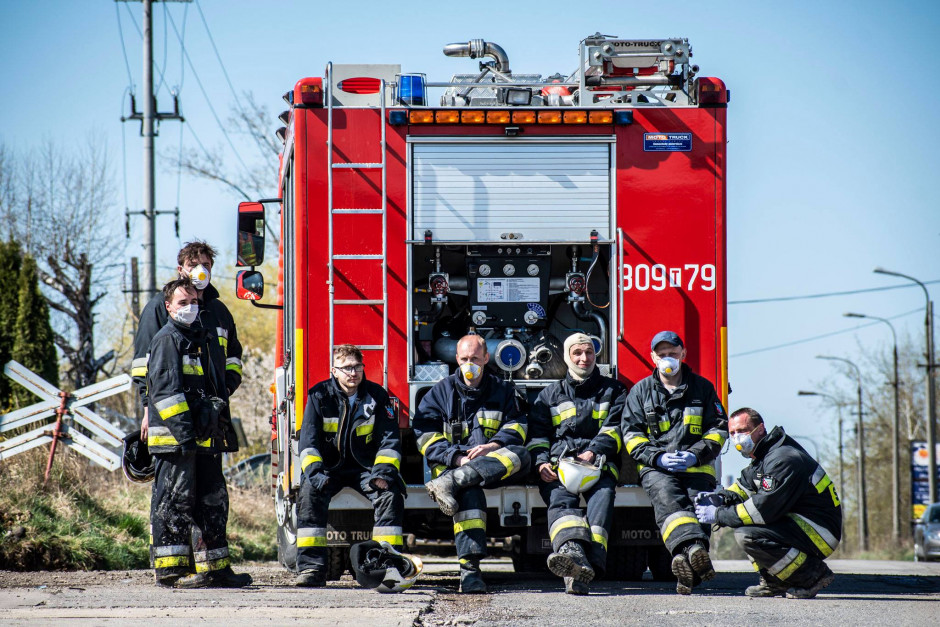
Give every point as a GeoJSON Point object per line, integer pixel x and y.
{"type": "Point", "coordinates": [519, 207]}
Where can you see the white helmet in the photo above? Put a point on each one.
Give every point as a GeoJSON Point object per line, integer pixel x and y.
{"type": "Point", "coordinates": [379, 566]}
{"type": "Point", "coordinates": [578, 475]}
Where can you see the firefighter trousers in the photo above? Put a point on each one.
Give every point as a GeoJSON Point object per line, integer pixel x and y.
{"type": "Point", "coordinates": [313, 504]}
{"type": "Point", "coordinates": [567, 521]}
{"type": "Point", "coordinates": [782, 552]}
{"type": "Point", "coordinates": [672, 496]}
{"type": "Point", "coordinates": [505, 466]}
{"type": "Point", "coordinates": [188, 511]}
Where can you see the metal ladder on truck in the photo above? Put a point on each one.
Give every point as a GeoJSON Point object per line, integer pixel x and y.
{"type": "Point", "coordinates": [381, 258]}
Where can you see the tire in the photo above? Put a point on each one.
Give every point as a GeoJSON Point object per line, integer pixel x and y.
{"type": "Point", "coordinates": [626, 563]}
{"type": "Point", "coordinates": [286, 550]}
{"type": "Point", "coordinates": [660, 563]}
{"type": "Point", "coordinates": [337, 560]}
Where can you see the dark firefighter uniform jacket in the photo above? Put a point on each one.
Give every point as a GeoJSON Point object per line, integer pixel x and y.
{"type": "Point", "coordinates": [784, 481]}
{"type": "Point", "coordinates": [334, 434]}
{"type": "Point", "coordinates": [578, 416]}
{"type": "Point", "coordinates": [185, 367]}
{"type": "Point", "coordinates": [691, 418]}
{"type": "Point", "coordinates": [452, 418]}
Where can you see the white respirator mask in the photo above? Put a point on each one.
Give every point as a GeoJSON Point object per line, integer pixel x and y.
{"type": "Point", "coordinates": [186, 314]}
{"type": "Point", "coordinates": [200, 277]}
{"type": "Point", "coordinates": [744, 443]}
{"type": "Point", "coordinates": [470, 371]}
{"type": "Point", "coordinates": [669, 366]}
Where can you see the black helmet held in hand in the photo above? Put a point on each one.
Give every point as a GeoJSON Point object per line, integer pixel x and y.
{"type": "Point", "coordinates": [137, 461]}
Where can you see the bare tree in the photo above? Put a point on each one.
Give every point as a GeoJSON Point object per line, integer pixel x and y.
{"type": "Point", "coordinates": [59, 209]}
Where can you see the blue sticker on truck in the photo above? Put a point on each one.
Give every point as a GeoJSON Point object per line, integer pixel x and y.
{"type": "Point", "coordinates": [667, 142]}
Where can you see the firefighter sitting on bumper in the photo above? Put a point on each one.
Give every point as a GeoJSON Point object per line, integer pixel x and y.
{"type": "Point", "coordinates": [186, 385]}
{"type": "Point", "coordinates": [349, 438]}
{"type": "Point", "coordinates": [784, 509]}
{"type": "Point", "coordinates": [470, 427]}
{"type": "Point", "coordinates": [579, 415]}
{"type": "Point", "coordinates": [674, 427]}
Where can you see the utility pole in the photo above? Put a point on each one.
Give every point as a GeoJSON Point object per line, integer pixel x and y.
{"type": "Point", "coordinates": [148, 116]}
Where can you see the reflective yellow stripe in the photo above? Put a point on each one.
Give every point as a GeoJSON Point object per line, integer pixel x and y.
{"type": "Point", "coordinates": [224, 343]}
{"type": "Point", "coordinates": [823, 484]}
{"type": "Point", "coordinates": [715, 437]}
{"type": "Point", "coordinates": [611, 432]}
{"type": "Point", "coordinates": [438, 470]}
{"type": "Point", "coordinates": [635, 442]}
{"type": "Point", "coordinates": [817, 539]}
{"type": "Point", "coordinates": [683, 520]}
{"type": "Point", "coordinates": [212, 565]}
{"type": "Point", "coordinates": [309, 459]}
{"type": "Point", "coordinates": [791, 568]}
{"type": "Point", "coordinates": [311, 541]}
{"type": "Point", "coordinates": [564, 415]}
{"type": "Point", "coordinates": [505, 461]}
{"type": "Point", "coordinates": [204, 443]}
{"type": "Point", "coordinates": [382, 459]}
{"type": "Point", "coordinates": [580, 522]}
{"type": "Point", "coordinates": [139, 372]}
{"type": "Point", "coordinates": [613, 470]}
{"type": "Point", "coordinates": [473, 523]}
{"type": "Point", "coordinates": [737, 489]}
{"type": "Point", "coordinates": [389, 539]}
{"type": "Point", "coordinates": [515, 426]}
{"type": "Point", "coordinates": [330, 425]}
{"type": "Point", "coordinates": [162, 440]}
{"type": "Point", "coordinates": [489, 423]}
{"type": "Point", "coordinates": [743, 515]}
{"type": "Point", "coordinates": [434, 438]}
{"type": "Point", "coordinates": [600, 416]}
{"type": "Point", "coordinates": [708, 470]}
{"type": "Point", "coordinates": [193, 370]}
{"type": "Point", "coordinates": [171, 561]}
{"type": "Point", "coordinates": [664, 425]}
{"type": "Point", "coordinates": [365, 429]}
{"type": "Point", "coordinates": [601, 540]}
{"type": "Point", "coordinates": [174, 410]}
{"type": "Point", "coordinates": [234, 367]}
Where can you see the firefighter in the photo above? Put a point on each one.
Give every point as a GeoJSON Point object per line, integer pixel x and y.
{"type": "Point", "coordinates": [349, 438]}
{"type": "Point", "coordinates": [194, 261]}
{"type": "Point", "coordinates": [471, 429]}
{"type": "Point", "coordinates": [579, 415]}
{"type": "Point", "coordinates": [784, 509]}
{"type": "Point", "coordinates": [674, 427]}
{"type": "Point", "coordinates": [186, 385]}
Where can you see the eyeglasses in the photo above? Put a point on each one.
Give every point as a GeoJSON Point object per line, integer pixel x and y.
{"type": "Point", "coordinates": [350, 370]}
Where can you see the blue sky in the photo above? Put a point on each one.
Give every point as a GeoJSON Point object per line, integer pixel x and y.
{"type": "Point", "coordinates": [833, 126]}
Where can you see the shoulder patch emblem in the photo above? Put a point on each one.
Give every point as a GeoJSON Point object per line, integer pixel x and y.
{"type": "Point", "coordinates": [767, 482]}
{"type": "Point", "coordinates": [391, 412]}
{"type": "Point", "coordinates": [719, 409]}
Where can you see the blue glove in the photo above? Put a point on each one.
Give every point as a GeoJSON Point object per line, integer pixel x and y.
{"type": "Point", "coordinates": [706, 514]}
{"type": "Point", "coordinates": [318, 481]}
{"type": "Point", "coordinates": [709, 498]}
{"type": "Point", "coordinates": [688, 457]}
{"type": "Point", "coordinates": [670, 462]}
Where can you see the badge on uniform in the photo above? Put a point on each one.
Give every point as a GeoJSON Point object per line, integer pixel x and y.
{"type": "Point", "coordinates": [719, 409]}
{"type": "Point", "coordinates": [767, 482]}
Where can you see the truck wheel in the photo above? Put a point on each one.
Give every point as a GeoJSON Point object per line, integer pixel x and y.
{"type": "Point", "coordinates": [286, 550]}
{"type": "Point", "coordinates": [660, 563]}
{"type": "Point", "coordinates": [626, 563]}
{"type": "Point", "coordinates": [337, 560]}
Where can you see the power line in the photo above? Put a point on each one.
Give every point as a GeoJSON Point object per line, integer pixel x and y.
{"type": "Point", "coordinates": [825, 294]}
{"type": "Point", "coordinates": [206, 96]}
{"type": "Point", "coordinates": [819, 337]}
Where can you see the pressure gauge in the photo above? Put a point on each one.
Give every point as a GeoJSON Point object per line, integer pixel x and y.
{"type": "Point", "coordinates": [479, 318]}
{"type": "Point", "coordinates": [484, 269]}
{"type": "Point", "coordinates": [533, 269]}
{"type": "Point", "coordinates": [509, 269]}
{"type": "Point", "coordinates": [530, 317]}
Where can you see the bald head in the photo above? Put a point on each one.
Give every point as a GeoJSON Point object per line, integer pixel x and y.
{"type": "Point", "coordinates": [472, 343]}
{"type": "Point", "coordinates": [471, 349]}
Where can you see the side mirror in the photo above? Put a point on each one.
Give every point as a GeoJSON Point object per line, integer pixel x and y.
{"type": "Point", "coordinates": [250, 244]}
{"type": "Point", "coordinates": [249, 285]}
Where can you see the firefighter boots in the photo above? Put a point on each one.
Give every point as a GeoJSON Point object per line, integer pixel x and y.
{"type": "Point", "coordinates": [570, 561]}
{"type": "Point", "coordinates": [223, 578]}
{"type": "Point", "coordinates": [766, 588]}
{"type": "Point", "coordinates": [471, 579]}
{"type": "Point", "coordinates": [573, 586]}
{"type": "Point", "coordinates": [443, 490]}
{"type": "Point", "coordinates": [700, 561]}
{"type": "Point", "coordinates": [310, 579]}
{"type": "Point", "coordinates": [685, 576]}
{"type": "Point", "coordinates": [824, 580]}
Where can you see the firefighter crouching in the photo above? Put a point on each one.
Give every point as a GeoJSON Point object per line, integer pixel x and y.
{"type": "Point", "coordinates": [191, 424]}
{"type": "Point", "coordinates": [349, 438]}
{"type": "Point", "coordinates": [578, 416]}
{"type": "Point", "coordinates": [471, 427]}
{"type": "Point", "coordinates": [784, 509]}
{"type": "Point", "coordinates": [674, 427]}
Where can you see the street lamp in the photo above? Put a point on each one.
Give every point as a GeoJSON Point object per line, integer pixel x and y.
{"type": "Point", "coordinates": [895, 451]}
{"type": "Point", "coordinates": [838, 405]}
{"type": "Point", "coordinates": [931, 391]}
{"type": "Point", "coordinates": [862, 507]}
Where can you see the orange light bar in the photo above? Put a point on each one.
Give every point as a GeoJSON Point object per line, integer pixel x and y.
{"type": "Point", "coordinates": [523, 117]}
{"type": "Point", "coordinates": [600, 117]}
{"type": "Point", "coordinates": [420, 117]}
{"type": "Point", "coordinates": [498, 117]}
{"type": "Point", "coordinates": [447, 117]}
{"type": "Point", "coordinates": [549, 117]}
{"type": "Point", "coordinates": [472, 117]}
{"type": "Point", "coordinates": [575, 117]}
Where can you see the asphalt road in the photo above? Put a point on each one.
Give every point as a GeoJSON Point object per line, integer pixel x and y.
{"type": "Point", "coordinates": [864, 593]}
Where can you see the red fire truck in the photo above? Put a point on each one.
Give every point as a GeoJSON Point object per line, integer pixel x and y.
{"type": "Point", "coordinates": [516, 206]}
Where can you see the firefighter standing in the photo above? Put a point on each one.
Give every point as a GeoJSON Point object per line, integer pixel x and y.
{"type": "Point", "coordinates": [784, 509]}
{"type": "Point", "coordinates": [349, 438]}
{"type": "Point", "coordinates": [471, 427]}
{"type": "Point", "coordinates": [579, 415]}
{"type": "Point", "coordinates": [674, 426]}
{"type": "Point", "coordinates": [187, 391]}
